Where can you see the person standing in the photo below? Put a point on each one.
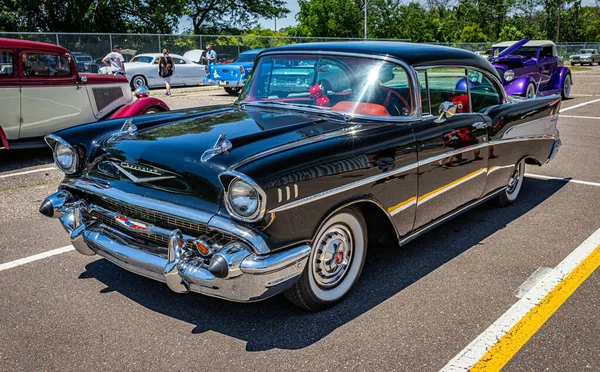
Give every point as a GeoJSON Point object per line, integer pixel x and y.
{"type": "Point", "coordinates": [211, 55]}
{"type": "Point", "coordinates": [166, 68]}
{"type": "Point", "coordinates": [116, 61]}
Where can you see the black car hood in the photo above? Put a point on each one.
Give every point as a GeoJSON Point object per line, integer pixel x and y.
{"type": "Point", "coordinates": [167, 158]}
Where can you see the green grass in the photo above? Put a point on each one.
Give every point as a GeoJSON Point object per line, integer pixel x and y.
{"type": "Point", "coordinates": [579, 68]}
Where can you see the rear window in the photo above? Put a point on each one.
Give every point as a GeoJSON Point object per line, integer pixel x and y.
{"type": "Point", "coordinates": [83, 58]}
{"type": "Point", "coordinates": [45, 64]}
{"type": "Point", "coordinates": [142, 59]}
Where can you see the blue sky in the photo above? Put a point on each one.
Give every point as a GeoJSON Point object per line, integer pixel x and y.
{"type": "Point", "coordinates": [290, 20]}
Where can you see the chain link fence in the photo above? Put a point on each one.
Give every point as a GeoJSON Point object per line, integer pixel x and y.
{"type": "Point", "coordinates": [226, 46]}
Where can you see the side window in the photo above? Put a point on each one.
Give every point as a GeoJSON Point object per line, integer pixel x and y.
{"type": "Point", "coordinates": [448, 85]}
{"type": "Point", "coordinates": [483, 92]}
{"type": "Point", "coordinates": [546, 52]}
{"type": "Point", "coordinates": [425, 108]}
{"type": "Point", "coordinates": [178, 61]}
{"type": "Point", "coordinates": [7, 67]}
{"type": "Point", "coordinates": [42, 64]}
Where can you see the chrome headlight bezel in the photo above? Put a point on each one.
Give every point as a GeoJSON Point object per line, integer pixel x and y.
{"type": "Point", "coordinates": [508, 75]}
{"type": "Point", "coordinates": [236, 178]}
{"type": "Point", "coordinates": [58, 144]}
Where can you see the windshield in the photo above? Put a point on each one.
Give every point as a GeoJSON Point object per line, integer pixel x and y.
{"type": "Point", "coordinates": [530, 52]}
{"type": "Point", "coordinates": [246, 57]}
{"type": "Point", "coordinates": [83, 58]}
{"type": "Point", "coordinates": [352, 85]}
{"type": "Point", "coordinates": [586, 51]}
{"type": "Point", "coordinates": [142, 59]}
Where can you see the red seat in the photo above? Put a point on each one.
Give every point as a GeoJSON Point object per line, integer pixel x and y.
{"type": "Point", "coordinates": [361, 108]}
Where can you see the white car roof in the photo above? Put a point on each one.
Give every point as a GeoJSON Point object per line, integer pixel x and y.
{"type": "Point", "coordinates": [531, 43]}
{"type": "Point", "coordinates": [155, 55]}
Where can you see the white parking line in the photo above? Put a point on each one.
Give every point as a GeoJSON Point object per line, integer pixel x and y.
{"type": "Point", "coordinates": [579, 117]}
{"type": "Point", "coordinates": [36, 257]}
{"type": "Point", "coordinates": [579, 105]}
{"type": "Point", "coordinates": [27, 172]}
{"type": "Point", "coordinates": [562, 179]}
{"type": "Point", "coordinates": [493, 348]}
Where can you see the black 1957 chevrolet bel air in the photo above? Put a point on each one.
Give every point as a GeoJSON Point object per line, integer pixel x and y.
{"type": "Point", "coordinates": [284, 194]}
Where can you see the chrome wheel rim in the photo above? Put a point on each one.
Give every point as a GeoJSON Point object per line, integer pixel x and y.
{"type": "Point", "coordinates": [514, 180]}
{"type": "Point", "coordinates": [567, 86]}
{"type": "Point", "coordinates": [137, 82]}
{"type": "Point", "coordinates": [530, 92]}
{"type": "Point", "coordinates": [333, 256]}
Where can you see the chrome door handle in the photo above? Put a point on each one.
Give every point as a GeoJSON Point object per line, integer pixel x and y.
{"type": "Point", "coordinates": [479, 125]}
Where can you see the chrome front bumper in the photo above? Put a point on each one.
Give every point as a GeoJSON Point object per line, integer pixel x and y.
{"type": "Point", "coordinates": [245, 276]}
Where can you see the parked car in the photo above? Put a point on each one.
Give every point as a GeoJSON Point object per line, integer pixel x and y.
{"type": "Point", "coordinates": [43, 92]}
{"type": "Point", "coordinates": [85, 63]}
{"type": "Point", "coordinates": [587, 56]}
{"type": "Point", "coordinates": [143, 70]}
{"type": "Point", "coordinates": [233, 75]}
{"type": "Point", "coordinates": [272, 194]}
{"type": "Point", "coordinates": [530, 68]}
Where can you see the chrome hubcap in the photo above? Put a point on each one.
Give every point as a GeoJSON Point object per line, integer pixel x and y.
{"type": "Point", "coordinates": [530, 92]}
{"type": "Point", "coordinates": [567, 86]}
{"type": "Point", "coordinates": [333, 256]}
{"type": "Point", "coordinates": [137, 82]}
{"type": "Point", "coordinates": [514, 180]}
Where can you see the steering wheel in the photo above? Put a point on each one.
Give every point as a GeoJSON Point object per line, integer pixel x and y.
{"type": "Point", "coordinates": [390, 93]}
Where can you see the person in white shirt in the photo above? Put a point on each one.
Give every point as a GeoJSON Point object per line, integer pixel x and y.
{"type": "Point", "coordinates": [116, 61]}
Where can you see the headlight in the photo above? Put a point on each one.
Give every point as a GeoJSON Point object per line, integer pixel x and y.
{"type": "Point", "coordinates": [509, 75]}
{"type": "Point", "coordinates": [65, 156]}
{"type": "Point", "coordinates": [245, 200]}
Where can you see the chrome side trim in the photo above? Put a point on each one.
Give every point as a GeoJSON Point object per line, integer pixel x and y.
{"type": "Point", "coordinates": [415, 234]}
{"type": "Point", "coordinates": [225, 225]}
{"type": "Point", "coordinates": [340, 189]}
{"type": "Point", "coordinates": [452, 153]}
{"type": "Point", "coordinates": [262, 203]}
{"type": "Point", "coordinates": [524, 129]}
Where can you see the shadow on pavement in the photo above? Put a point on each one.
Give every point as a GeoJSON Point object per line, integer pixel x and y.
{"type": "Point", "coordinates": [275, 323]}
{"type": "Point", "coordinates": [12, 160]}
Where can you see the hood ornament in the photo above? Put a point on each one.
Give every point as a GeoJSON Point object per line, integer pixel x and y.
{"type": "Point", "coordinates": [221, 147]}
{"type": "Point", "coordinates": [129, 127]}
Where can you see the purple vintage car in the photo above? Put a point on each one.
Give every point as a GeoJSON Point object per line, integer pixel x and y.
{"type": "Point", "coordinates": [531, 68]}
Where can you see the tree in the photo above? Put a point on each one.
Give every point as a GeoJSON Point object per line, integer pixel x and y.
{"type": "Point", "coordinates": [329, 18]}
{"type": "Point", "coordinates": [510, 33]}
{"type": "Point", "coordinates": [212, 16]}
{"type": "Point", "coordinates": [473, 34]}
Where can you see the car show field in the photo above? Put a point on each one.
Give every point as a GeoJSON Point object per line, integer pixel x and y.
{"type": "Point", "coordinates": [432, 304]}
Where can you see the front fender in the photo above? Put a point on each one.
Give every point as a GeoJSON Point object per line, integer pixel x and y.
{"type": "Point", "coordinates": [558, 77]}
{"type": "Point", "coordinates": [518, 86]}
{"type": "Point", "coordinates": [138, 107]}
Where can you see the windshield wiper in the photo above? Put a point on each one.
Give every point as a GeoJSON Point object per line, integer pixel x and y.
{"type": "Point", "coordinates": [313, 109]}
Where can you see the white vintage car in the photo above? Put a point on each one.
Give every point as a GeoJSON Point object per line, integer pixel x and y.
{"type": "Point", "coordinates": [143, 70]}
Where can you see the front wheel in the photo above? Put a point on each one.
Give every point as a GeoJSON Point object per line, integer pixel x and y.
{"type": "Point", "coordinates": [152, 110]}
{"type": "Point", "coordinates": [530, 92]}
{"type": "Point", "coordinates": [566, 90]}
{"type": "Point", "coordinates": [137, 81]}
{"type": "Point", "coordinates": [335, 263]}
{"type": "Point", "coordinates": [508, 196]}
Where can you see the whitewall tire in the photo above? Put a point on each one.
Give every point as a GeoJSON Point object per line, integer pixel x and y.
{"type": "Point", "coordinates": [508, 196]}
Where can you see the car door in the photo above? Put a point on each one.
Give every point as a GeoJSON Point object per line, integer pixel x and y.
{"type": "Point", "coordinates": [10, 94]}
{"type": "Point", "coordinates": [51, 96]}
{"type": "Point", "coordinates": [185, 73]}
{"type": "Point", "coordinates": [547, 64]}
{"type": "Point", "coordinates": [452, 150]}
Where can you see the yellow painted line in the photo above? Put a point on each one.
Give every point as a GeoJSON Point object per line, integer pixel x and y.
{"type": "Point", "coordinates": [400, 205]}
{"type": "Point", "coordinates": [523, 330]}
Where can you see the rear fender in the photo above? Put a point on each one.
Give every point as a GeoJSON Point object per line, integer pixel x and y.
{"type": "Point", "coordinates": [3, 140]}
{"type": "Point", "coordinates": [518, 86]}
{"type": "Point", "coordinates": [558, 78]}
{"type": "Point", "coordinates": [139, 106]}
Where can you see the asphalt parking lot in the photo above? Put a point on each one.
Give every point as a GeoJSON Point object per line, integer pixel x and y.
{"type": "Point", "coordinates": [421, 307]}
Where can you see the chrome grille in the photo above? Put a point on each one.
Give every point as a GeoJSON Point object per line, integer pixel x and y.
{"type": "Point", "coordinates": [106, 95]}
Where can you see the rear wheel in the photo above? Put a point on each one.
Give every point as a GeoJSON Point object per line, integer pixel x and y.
{"type": "Point", "coordinates": [232, 91]}
{"type": "Point", "coordinates": [138, 81]}
{"type": "Point", "coordinates": [335, 263]}
{"type": "Point", "coordinates": [566, 90]}
{"type": "Point", "coordinates": [508, 196]}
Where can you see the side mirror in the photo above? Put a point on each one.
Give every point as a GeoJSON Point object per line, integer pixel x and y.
{"type": "Point", "coordinates": [142, 91]}
{"type": "Point", "coordinates": [446, 111]}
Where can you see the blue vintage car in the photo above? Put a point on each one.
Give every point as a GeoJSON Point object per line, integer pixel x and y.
{"type": "Point", "coordinates": [232, 76]}
{"type": "Point", "coordinates": [530, 68]}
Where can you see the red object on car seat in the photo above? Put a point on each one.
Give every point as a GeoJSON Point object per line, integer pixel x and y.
{"type": "Point", "coordinates": [461, 103]}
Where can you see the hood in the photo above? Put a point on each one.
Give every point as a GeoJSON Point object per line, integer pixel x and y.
{"type": "Point", "coordinates": [512, 48]}
{"type": "Point", "coordinates": [167, 159]}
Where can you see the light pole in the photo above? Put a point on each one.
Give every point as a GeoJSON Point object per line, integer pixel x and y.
{"type": "Point", "coordinates": [366, 1]}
